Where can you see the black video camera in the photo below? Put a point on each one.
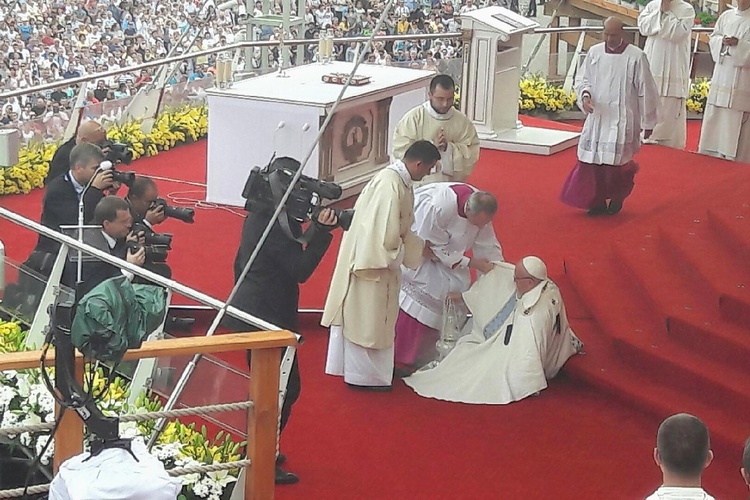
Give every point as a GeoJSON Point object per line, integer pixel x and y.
{"type": "Point", "coordinates": [152, 237]}
{"type": "Point", "coordinates": [179, 213]}
{"type": "Point", "coordinates": [118, 153]}
{"type": "Point", "coordinates": [154, 253]}
{"type": "Point", "coordinates": [265, 188]}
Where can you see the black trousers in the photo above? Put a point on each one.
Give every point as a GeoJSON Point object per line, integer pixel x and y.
{"type": "Point", "coordinates": [293, 389]}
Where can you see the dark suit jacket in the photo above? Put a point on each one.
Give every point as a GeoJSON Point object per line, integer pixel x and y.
{"type": "Point", "coordinates": [60, 163]}
{"type": "Point", "coordinates": [270, 291]}
{"type": "Point", "coordinates": [60, 208]}
{"type": "Point", "coordinates": [93, 272]}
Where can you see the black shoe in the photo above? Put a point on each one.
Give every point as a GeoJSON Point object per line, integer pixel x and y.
{"type": "Point", "coordinates": [284, 477]}
{"type": "Point", "coordinates": [614, 207]}
{"type": "Point", "coordinates": [597, 210]}
{"type": "Point", "coordinates": [178, 324]}
{"type": "Point", "coordinates": [280, 459]}
{"type": "Point", "coordinates": [371, 388]}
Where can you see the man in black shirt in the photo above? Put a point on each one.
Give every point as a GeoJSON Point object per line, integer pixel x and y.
{"type": "Point", "coordinates": [89, 131]}
{"type": "Point", "coordinates": [270, 291]}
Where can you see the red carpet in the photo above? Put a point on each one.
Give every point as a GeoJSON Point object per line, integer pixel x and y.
{"type": "Point", "coordinates": [658, 298]}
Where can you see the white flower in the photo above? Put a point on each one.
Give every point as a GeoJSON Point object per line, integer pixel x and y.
{"type": "Point", "coordinates": [25, 439]}
{"type": "Point", "coordinates": [129, 430]}
{"type": "Point", "coordinates": [9, 419]}
{"type": "Point", "coordinates": [189, 479]}
{"type": "Point", "coordinates": [201, 490]}
{"type": "Point", "coordinates": [6, 395]}
{"type": "Point", "coordinates": [221, 477]}
{"type": "Point", "coordinates": [167, 451]}
{"type": "Point", "coordinates": [24, 386]}
{"type": "Point", "coordinates": [40, 443]}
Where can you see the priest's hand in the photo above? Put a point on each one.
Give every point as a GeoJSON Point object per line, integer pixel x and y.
{"type": "Point", "coordinates": [455, 297]}
{"type": "Point", "coordinates": [665, 5]}
{"type": "Point", "coordinates": [588, 106]}
{"type": "Point", "coordinates": [647, 134]}
{"type": "Point", "coordinates": [442, 142]}
{"type": "Point", "coordinates": [481, 264]}
{"type": "Point", "coordinates": [730, 41]}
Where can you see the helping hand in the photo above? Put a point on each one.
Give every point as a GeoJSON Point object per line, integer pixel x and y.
{"type": "Point", "coordinates": [427, 252]}
{"type": "Point", "coordinates": [442, 142]}
{"type": "Point", "coordinates": [730, 41]}
{"type": "Point", "coordinates": [481, 264]}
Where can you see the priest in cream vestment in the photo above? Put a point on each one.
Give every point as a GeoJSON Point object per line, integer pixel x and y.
{"type": "Point", "coordinates": [726, 123]}
{"type": "Point", "coordinates": [520, 337]}
{"type": "Point", "coordinates": [362, 303]}
{"type": "Point", "coordinates": [450, 130]}
{"type": "Point", "coordinates": [668, 25]}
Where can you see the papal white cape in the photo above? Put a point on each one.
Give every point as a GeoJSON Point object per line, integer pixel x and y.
{"type": "Point", "coordinates": [526, 348]}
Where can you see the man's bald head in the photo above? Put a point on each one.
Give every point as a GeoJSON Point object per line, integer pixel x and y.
{"type": "Point", "coordinates": [683, 446]}
{"type": "Point", "coordinates": [91, 131]}
{"type": "Point", "coordinates": [614, 32]}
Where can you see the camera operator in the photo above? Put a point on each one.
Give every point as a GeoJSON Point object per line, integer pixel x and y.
{"type": "Point", "coordinates": [270, 290]}
{"type": "Point", "coordinates": [113, 216]}
{"type": "Point", "coordinates": [60, 205]}
{"type": "Point", "coordinates": [89, 131]}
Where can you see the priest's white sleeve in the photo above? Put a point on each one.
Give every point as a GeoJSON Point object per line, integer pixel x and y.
{"type": "Point", "coordinates": [583, 82]}
{"type": "Point", "coordinates": [486, 245]}
{"type": "Point", "coordinates": [716, 41]}
{"type": "Point", "coordinates": [446, 160]}
{"type": "Point", "coordinates": [649, 20]}
{"type": "Point", "coordinates": [675, 28]}
{"type": "Point", "coordinates": [647, 93]}
{"type": "Point", "coordinates": [741, 54]}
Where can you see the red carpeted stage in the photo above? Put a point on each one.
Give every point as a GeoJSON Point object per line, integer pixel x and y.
{"type": "Point", "coordinates": [660, 294]}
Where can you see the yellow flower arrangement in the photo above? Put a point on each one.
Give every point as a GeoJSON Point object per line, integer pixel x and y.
{"type": "Point", "coordinates": [537, 94]}
{"type": "Point", "coordinates": [696, 101]}
{"type": "Point", "coordinates": [172, 128]}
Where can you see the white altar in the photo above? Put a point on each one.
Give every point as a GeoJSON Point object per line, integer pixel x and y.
{"type": "Point", "coordinates": [261, 116]}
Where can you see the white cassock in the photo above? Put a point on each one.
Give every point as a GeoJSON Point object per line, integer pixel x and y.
{"type": "Point", "coordinates": [515, 344]}
{"type": "Point", "coordinates": [679, 493]}
{"type": "Point", "coordinates": [437, 219]}
{"type": "Point", "coordinates": [424, 123]}
{"type": "Point", "coordinates": [726, 122]}
{"type": "Point", "coordinates": [114, 475]}
{"type": "Point", "coordinates": [668, 52]}
{"type": "Point", "coordinates": [625, 100]}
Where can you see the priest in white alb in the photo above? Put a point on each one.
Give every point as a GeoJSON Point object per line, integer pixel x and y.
{"type": "Point", "coordinates": [668, 25]}
{"type": "Point", "coordinates": [617, 92]}
{"type": "Point", "coordinates": [362, 303]}
{"type": "Point", "coordinates": [455, 218]}
{"type": "Point", "coordinates": [725, 132]}
{"type": "Point", "coordinates": [520, 338]}
{"type": "Point", "coordinates": [436, 120]}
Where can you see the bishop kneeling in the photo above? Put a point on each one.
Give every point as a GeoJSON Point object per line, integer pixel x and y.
{"type": "Point", "coordinates": [520, 337]}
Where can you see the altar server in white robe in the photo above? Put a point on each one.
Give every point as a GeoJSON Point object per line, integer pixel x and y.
{"type": "Point", "coordinates": [668, 25]}
{"type": "Point", "coordinates": [450, 130]}
{"type": "Point", "coordinates": [726, 123]}
{"type": "Point", "coordinates": [520, 337]}
{"type": "Point", "coordinates": [455, 218]}
{"type": "Point", "coordinates": [617, 92]}
{"type": "Point", "coordinates": [362, 303]}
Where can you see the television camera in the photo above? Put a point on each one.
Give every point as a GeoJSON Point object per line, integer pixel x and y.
{"type": "Point", "coordinates": [265, 187]}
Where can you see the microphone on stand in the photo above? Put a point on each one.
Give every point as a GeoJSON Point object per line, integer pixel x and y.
{"type": "Point", "coordinates": [103, 167]}
{"type": "Point", "coordinates": [281, 125]}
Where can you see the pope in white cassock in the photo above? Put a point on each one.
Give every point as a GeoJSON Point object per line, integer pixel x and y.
{"type": "Point", "coordinates": [668, 25]}
{"type": "Point", "coordinates": [454, 218]}
{"type": "Point", "coordinates": [520, 338]}
{"type": "Point", "coordinates": [725, 132]}
{"type": "Point", "coordinates": [450, 130]}
{"type": "Point", "coordinates": [617, 92]}
{"type": "Point", "coordinates": [362, 303]}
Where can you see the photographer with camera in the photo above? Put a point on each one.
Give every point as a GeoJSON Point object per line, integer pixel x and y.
{"type": "Point", "coordinates": [89, 131]}
{"type": "Point", "coordinates": [114, 236]}
{"type": "Point", "coordinates": [60, 205]}
{"type": "Point", "coordinates": [270, 290]}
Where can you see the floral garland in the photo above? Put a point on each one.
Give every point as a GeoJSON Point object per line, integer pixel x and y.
{"type": "Point", "coordinates": [172, 128]}
{"type": "Point", "coordinates": [24, 400]}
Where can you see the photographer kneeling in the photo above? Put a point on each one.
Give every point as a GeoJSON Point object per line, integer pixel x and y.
{"type": "Point", "coordinates": [114, 236]}
{"type": "Point", "coordinates": [270, 291]}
